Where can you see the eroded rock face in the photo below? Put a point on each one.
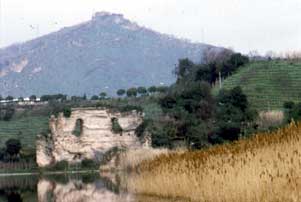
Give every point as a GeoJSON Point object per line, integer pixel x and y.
{"type": "Point", "coordinates": [95, 138]}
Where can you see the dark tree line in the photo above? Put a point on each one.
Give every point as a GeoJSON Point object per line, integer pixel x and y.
{"type": "Point", "coordinates": [210, 71]}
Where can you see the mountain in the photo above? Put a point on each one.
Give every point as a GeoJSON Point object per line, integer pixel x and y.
{"type": "Point", "coordinates": [104, 54]}
{"type": "Point", "coordinates": [268, 84]}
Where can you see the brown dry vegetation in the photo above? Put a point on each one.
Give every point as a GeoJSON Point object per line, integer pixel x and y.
{"type": "Point", "coordinates": [266, 167]}
{"type": "Point", "coordinates": [132, 158]}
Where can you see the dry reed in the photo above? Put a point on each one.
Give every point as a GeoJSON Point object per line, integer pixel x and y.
{"type": "Point", "coordinates": [266, 167]}
{"type": "Point", "coordinates": [133, 157]}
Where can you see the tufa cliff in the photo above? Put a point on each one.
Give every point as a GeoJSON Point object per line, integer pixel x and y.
{"type": "Point", "coordinates": [87, 134]}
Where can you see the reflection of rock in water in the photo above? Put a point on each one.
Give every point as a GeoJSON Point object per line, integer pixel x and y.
{"type": "Point", "coordinates": [77, 191]}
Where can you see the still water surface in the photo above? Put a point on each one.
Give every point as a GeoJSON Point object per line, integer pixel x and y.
{"type": "Point", "coordinates": [67, 188]}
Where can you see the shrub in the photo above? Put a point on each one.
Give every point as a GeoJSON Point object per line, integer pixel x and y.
{"type": "Point", "coordinates": [88, 163]}
{"type": "Point", "coordinates": [116, 128]}
{"type": "Point", "coordinates": [62, 165]}
{"type": "Point", "coordinates": [9, 113]}
{"type": "Point", "coordinates": [94, 97]}
{"type": "Point", "coordinates": [141, 128]}
{"type": "Point", "coordinates": [67, 112]}
{"type": "Point", "coordinates": [13, 146]}
{"type": "Point", "coordinates": [78, 129]}
{"type": "Point", "coordinates": [292, 111]}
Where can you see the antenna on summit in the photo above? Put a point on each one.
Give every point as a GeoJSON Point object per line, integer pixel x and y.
{"type": "Point", "coordinates": [203, 35]}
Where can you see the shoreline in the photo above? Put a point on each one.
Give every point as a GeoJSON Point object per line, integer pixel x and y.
{"type": "Point", "coordinates": [47, 173]}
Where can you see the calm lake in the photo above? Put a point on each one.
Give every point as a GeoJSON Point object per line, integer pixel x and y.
{"type": "Point", "coordinates": [67, 188]}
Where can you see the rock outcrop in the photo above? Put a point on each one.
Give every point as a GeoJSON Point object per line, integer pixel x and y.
{"type": "Point", "coordinates": [94, 136]}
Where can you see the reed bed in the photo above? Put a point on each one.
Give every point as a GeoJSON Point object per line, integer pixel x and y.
{"type": "Point", "coordinates": [265, 167]}
{"type": "Point", "coordinates": [133, 157]}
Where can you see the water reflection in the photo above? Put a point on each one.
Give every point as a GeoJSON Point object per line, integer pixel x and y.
{"type": "Point", "coordinates": [66, 188]}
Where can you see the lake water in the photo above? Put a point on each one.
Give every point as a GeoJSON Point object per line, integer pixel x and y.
{"type": "Point", "coordinates": [67, 188]}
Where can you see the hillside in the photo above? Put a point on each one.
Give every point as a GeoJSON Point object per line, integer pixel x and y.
{"type": "Point", "coordinates": [268, 84]}
{"type": "Point", "coordinates": [104, 54]}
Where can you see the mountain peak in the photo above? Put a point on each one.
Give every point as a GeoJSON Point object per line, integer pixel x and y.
{"type": "Point", "coordinates": [113, 18]}
{"type": "Point", "coordinates": [103, 54]}
{"type": "Point", "coordinates": [108, 17]}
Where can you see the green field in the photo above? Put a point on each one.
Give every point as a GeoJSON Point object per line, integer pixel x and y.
{"type": "Point", "coordinates": [25, 129]}
{"type": "Point", "coordinates": [268, 84]}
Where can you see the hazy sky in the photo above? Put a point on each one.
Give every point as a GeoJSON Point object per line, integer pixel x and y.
{"type": "Point", "coordinates": [241, 24]}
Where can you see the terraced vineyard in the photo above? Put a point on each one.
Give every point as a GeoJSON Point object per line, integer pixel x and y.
{"type": "Point", "coordinates": [24, 129]}
{"type": "Point", "coordinates": [268, 84]}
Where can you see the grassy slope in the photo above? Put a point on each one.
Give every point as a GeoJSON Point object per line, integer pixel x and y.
{"type": "Point", "coordinates": [268, 84]}
{"type": "Point", "coordinates": [24, 129]}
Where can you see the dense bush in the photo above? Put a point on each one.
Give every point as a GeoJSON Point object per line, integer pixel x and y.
{"type": "Point", "coordinates": [187, 108]}
{"type": "Point", "coordinates": [233, 114]}
{"type": "Point", "coordinates": [62, 165]}
{"type": "Point", "coordinates": [56, 97]}
{"type": "Point", "coordinates": [13, 147]}
{"type": "Point", "coordinates": [89, 164]}
{"type": "Point", "coordinates": [67, 112]}
{"type": "Point", "coordinates": [139, 131]}
{"type": "Point", "coordinates": [9, 113]}
{"type": "Point", "coordinates": [292, 111]}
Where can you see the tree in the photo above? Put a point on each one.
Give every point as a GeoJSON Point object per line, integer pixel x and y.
{"type": "Point", "coordinates": [184, 68]}
{"type": "Point", "coordinates": [94, 97]}
{"type": "Point", "coordinates": [142, 90]}
{"type": "Point", "coordinates": [76, 98]}
{"type": "Point", "coordinates": [120, 92]}
{"type": "Point", "coordinates": [9, 98]}
{"type": "Point", "coordinates": [233, 114]}
{"type": "Point", "coordinates": [33, 98]}
{"type": "Point", "coordinates": [13, 146]}
{"type": "Point", "coordinates": [103, 95]}
{"type": "Point", "coordinates": [191, 109]}
{"type": "Point", "coordinates": [162, 89]}
{"type": "Point", "coordinates": [132, 92]}
{"type": "Point", "coordinates": [152, 89]}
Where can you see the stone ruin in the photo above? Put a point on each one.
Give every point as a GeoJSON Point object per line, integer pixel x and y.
{"type": "Point", "coordinates": [87, 134]}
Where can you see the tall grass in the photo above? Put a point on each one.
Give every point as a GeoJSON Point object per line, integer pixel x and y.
{"type": "Point", "coordinates": [266, 167]}
{"type": "Point", "coordinates": [128, 160]}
